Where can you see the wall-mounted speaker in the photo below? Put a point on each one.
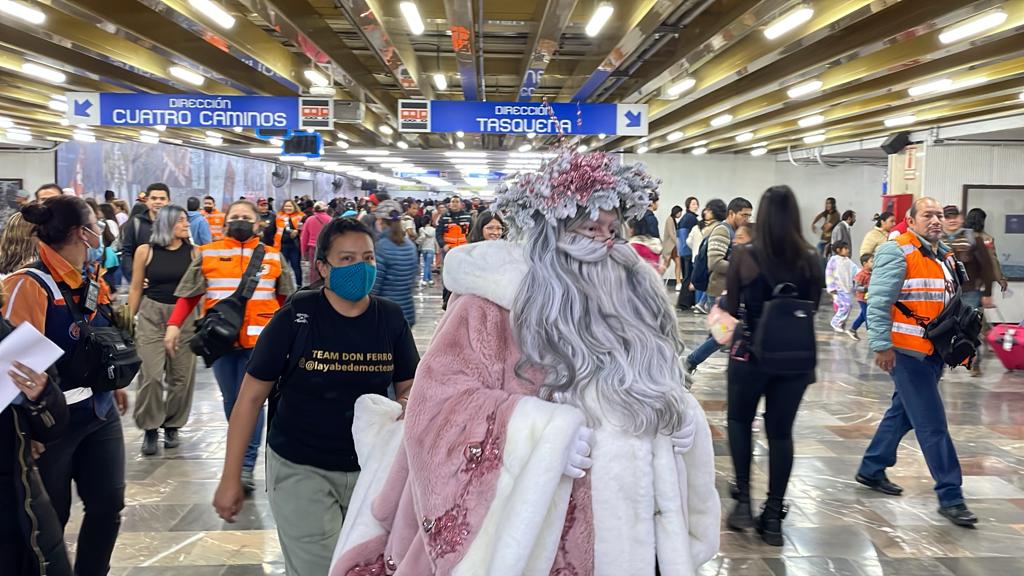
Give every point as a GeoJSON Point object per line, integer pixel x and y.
{"type": "Point", "coordinates": [896, 142]}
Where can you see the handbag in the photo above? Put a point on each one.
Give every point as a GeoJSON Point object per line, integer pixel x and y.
{"type": "Point", "coordinates": [955, 332]}
{"type": "Point", "coordinates": [722, 325]}
{"type": "Point", "coordinates": [217, 331]}
{"type": "Point", "coordinates": [111, 358]}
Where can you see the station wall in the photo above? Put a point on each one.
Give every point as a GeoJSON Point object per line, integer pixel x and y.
{"type": "Point", "coordinates": [32, 168]}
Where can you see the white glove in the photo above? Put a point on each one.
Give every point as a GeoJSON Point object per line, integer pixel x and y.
{"type": "Point", "coordinates": [579, 461]}
{"type": "Point", "coordinates": [682, 440]}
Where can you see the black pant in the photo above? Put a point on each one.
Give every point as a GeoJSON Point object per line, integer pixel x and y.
{"type": "Point", "coordinates": [685, 299]}
{"type": "Point", "coordinates": [91, 453]}
{"type": "Point", "coordinates": [747, 383]}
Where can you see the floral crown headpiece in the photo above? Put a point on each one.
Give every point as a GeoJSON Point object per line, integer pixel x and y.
{"type": "Point", "coordinates": [570, 181]}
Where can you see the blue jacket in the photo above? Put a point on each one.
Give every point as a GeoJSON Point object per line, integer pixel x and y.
{"type": "Point", "coordinates": [647, 226]}
{"type": "Point", "coordinates": [397, 273]}
{"type": "Point", "coordinates": [199, 228]}
{"type": "Point", "coordinates": [887, 278]}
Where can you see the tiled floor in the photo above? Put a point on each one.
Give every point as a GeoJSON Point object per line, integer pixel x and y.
{"type": "Point", "coordinates": [834, 526]}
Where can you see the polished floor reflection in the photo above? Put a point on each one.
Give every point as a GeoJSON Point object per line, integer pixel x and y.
{"type": "Point", "coordinates": [834, 526]}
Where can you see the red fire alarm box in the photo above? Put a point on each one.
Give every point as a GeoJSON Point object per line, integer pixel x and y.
{"type": "Point", "coordinates": [898, 204]}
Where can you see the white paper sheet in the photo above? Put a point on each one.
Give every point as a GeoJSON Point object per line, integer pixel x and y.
{"type": "Point", "coordinates": [26, 345]}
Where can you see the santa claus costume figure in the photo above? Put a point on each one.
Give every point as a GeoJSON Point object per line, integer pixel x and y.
{"type": "Point", "coordinates": [549, 430]}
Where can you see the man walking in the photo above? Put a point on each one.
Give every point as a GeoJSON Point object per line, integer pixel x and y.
{"type": "Point", "coordinates": [198, 227]}
{"type": "Point", "coordinates": [138, 229]}
{"type": "Point", "coordinates": [843, 232]}
{"type": "Point", "coordinates": [914, 276]}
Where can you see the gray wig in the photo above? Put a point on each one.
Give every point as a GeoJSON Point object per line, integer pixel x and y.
{"type": "Point", "coordinates": [163, 225]}
{"type": "Point", "coordinates": [598, 324]}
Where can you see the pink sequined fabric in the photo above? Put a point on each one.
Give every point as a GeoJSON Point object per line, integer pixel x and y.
{"type": "Point", "coordinates": [375, 568]}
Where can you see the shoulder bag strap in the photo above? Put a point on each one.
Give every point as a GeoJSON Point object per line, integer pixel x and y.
{"type": "Point", "coordinates": [251, 277]}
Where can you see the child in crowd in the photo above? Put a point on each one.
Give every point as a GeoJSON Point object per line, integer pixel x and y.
{"type": "Point", "coordinates": [427, 242]}
{"type": "Point", "coordinates": [860, 287]}
{"type": "Point", "coordinates": [839, 275]}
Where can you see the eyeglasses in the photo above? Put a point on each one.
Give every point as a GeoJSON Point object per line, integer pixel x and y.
{"type": "Point", "coordinates": [602, 238]}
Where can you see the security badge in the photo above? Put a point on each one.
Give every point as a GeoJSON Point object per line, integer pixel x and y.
{"type": "Point", "coordinates": [91, 296]}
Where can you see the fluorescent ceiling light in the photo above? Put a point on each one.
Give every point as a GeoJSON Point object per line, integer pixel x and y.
{"type": "Point", "coordinates": [460, 145]}
{"type": "Point", "coordinates": [721, 120]}
{"type": "Point", "coordinates": [402, 144]}
{"type": "Point", "coordinates": [63, 122]}
{"type": "Point", "coordinates": [292, 158]}
{"type": "Point", "coordinates": [213, 134]}
{"type": "Point", "coordinates": [58, 106]}
{"type": "Point", "coordinates": [370, 152]}
{"type": "Point", "coordinates": [808, 121]}
{"type": "Point", "coordinates": [84, 136]}
{"type": "Point", "coordinates": [341, 135]}
{"type": "Point", "coordinates": [970, 82]}
{"type": "Point", "coordinates": [928, 88]}
{"type": "Point", "coordinates": [159, 127]}
{"type": "Point", "coordinates": [186, 75]}
{"type": "Point", "coordinates": [149, 133]}
{"type": "Point", "coordinates": [466, 154]}
{"type": "Point", "coordinates": [22, 12]}
{"type": "Point", "coordinates": [412, 18]}
{"type": "Point", "coordinates": [1022, 95]}
{"type": "Point", "coordinates": [531, 154]}
{"type": "Point", "coordinates": [145, 139]}
{"type": "Point", "coordinates": [382, 160]}
{"type": "Point", "coordinates": [33, 69]}
{"type": "Point", "coordinates": [699, 143]}
{"type": "Point", "coordinates": [809, 87]}
{"type": "Point", "coordinates": [342, 144]}
{"type": "Point", "coordinates": [972, 26]}
{"type": "Point", "coordinates": [265, 150]}
{"type": "Point", "coordinates": [17, 130]}
{"type": "Point", "coordinates": [316, 77]}
{"type": "Point", "coordinates": [6, 122]}
{"type": "Point", "coordinates": [238, 129]}
{"type": "Point", "coordinates": [214, 12]}
{"type": "Point", "coordinates": [758, 151]}
{"type": "Point", "coordinates": [17, 136]}
{"type": "Point", "coordinates": [60, 97]}
{"type": "Point", "coordinates": [440, 81]}
{"type": "Point", "coordinates": [525, 148]}
{"type": "Point", "coordinates": [276, 142]}
{"type": "Point", "coordinates": [602, 136]}
{"type": "Point", "coordinates": [677, 135]}
{"type": "Point", "coordinates": [600, 17]}
{"type": "Point", "coordinates": [788, 21]}
{"type": "Point", "coordinates": [582, 148]}
{"type": "Point", "coordinates": [699, 151]}
{"type": "Point", "coordinates": [900, 120]}
{"type": "Point", "coordinates": [531, 135]}
{"type": "Point", "coordinates": [642, 149]}
{"type": "Point", "coordinates": [745, 137]}
{"type": "Point", "coordinates": [214, 140]}
{"type": "Point", "coordinates": [814, 138]}
{"type": "Point", "coordinates": [681, 86]}
{"type": "Point", "coordinates": [386, 130]}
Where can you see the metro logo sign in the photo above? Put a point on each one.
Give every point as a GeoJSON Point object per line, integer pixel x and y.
{"type": "Point", "coordinates": [316, 113]}
{"type": "Point", "coordinates": [413, 116]}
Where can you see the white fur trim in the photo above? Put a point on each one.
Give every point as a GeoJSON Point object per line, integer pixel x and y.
{"type": "Point", "coordinates": [492, 270]}
{"type": "Point", "coordinates": [522, 529]}
{"type": "Point", "coordinates": [697, 475]}
{"type": "Point", "coordinates": [377, 433]}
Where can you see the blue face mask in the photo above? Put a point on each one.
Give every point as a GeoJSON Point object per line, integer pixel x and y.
{"type": "Point", "coordinates": [94, 254]}
{"type": "Point", "coordinates": [353, 282]}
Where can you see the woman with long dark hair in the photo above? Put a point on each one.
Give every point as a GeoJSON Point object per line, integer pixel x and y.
{"type": "Point", "coordinates": [829, 217]}
{"type": "Point", "coordinates": [690, 218]}
{"type": "Point", "coordinates": [779, 254]}
{"type": "Point", "coordinates": [878, 235]}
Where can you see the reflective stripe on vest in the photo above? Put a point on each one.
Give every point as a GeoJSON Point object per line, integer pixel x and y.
{"type": "Point", "coordinates": [923, 292]}
{"type": "Point", "coordinates": [224, 263]}
{"type": "Point", "coordinates": [216, 222]}
{"type": "Point", "coordinates": [296, 218]}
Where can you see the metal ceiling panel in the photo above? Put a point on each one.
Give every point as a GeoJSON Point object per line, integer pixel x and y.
{"type": "Point", "coordinates": [542, 45]}
{"type": "Point", "coordinates": [462, 27]}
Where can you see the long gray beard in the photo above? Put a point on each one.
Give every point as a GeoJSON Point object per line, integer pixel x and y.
{"type": "Point", "coordinates": [599, 324]}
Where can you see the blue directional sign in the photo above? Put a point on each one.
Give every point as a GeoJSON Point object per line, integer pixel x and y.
{"type": "Point", "coordinates": [522, 118]}
{"type": "Point", "coordinates": [183, 110]}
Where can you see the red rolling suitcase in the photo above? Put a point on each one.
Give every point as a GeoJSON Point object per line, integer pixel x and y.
{"type": "Point", "coordinates": [1007, 342]}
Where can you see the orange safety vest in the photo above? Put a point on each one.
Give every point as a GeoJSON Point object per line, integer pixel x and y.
{"type": "Point", "coordinates": [224, 263]}
{"type": "Point", "coordinates": [296, 224]}
{"type": "Point", "coordinates": [454, 236]}
{"type": "Point", "coordinates": [923, 292]}
{"type": "Point", "coordinates": [216, 221]}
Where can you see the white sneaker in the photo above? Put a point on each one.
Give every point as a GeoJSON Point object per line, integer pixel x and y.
{"type": "Point", "coordinates": [838, 330]}
{"type": "Point", "coordinates": [853, 334]}
{"type": "Point", "coordinates": [679, 286]}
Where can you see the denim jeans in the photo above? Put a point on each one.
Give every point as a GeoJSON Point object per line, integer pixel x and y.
{"type": "Point", "coordinates": [229, 370]}
{"type": "Point", "coordinates": [702, 352]}
{"type": "Point", "coordinates": [91, 453]}
{"type": "Point", "coordinates": [917, 405]}
{"type": "Point", "coordinates": [428, 263]}
{"type": "Point", "coordinates": [863, 317]}
{"type": "Point", "coordinates": [291, 254]}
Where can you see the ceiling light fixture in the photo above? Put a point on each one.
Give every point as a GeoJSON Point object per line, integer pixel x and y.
{"type": "Point", "coordinates": [531, 135]}
{"type": "Point", "coordinates": [440, 81]}
{"type": "Point", "coordinates": [602, 136]}
{"type": "Point", "coordinates": [900, 121]}
{"type": "Point", "coordinates": [412, 17]}
{"type": "Point", "coordinates": [721, 120]}
{"type": "Point", "coordinates": [788, 21]}
{"type": "Point", "coordinates": [699, 151]}
{"type": "Point", "coordinates": [600, 17]}
{"type": "Point", "coordinates": [212, 134]}
{"type": "Point", "coordinates": [582, 148]}
{"type": "Point", "coordinates": [1022, 95]}
{"type": "Point", "coordinates": [808, 121]}
{"type": "Point", "coordinates": [214, 12]}
{"type": "Point", "coordinates": [214, 140]}
{"type": "Point", "coordinates": [316, 77]}
{"type": "Point", "coordinates": [681, 86]}
{"type": "Point", "coordinates": [699, 143]}
{"type": "Point", "coordinates": [159, 127]}
{"type": "Point", "coordinates": [460, 145]}
{"type": "Point", "coordinates": [149, 133]}
{"type": "Point", "coordinates": [642, 149]}
{"type": "Point", "coordinates": [972, 26]}
{"type": "Point", "coordinates": [23, 12]}
{"type": "Point", "coordinates": [58, 106]}
{"type": "Point", "coordinates": [186, 75]}
{"type": "Point", "coordinates": [342, 144]}
{"type": "Point", "coordinates": [83, 136]}
{"type": "Point", "coordinates": [460, 134]}
{"type": "Point", "coordinates": [386, 130]}
{"type": "Point", "coordinates": [809, 87]}
{"type": "Point", "coordinates": [402, 144]}
{"type": "Point", "coordinates": [745, 137]}
{"type": "Point", "coordinates": [33, 69]}
{"type": "Point", "coordinates": [960, 84]}
{"type": "Point", "coordinates": [525, 148]}
{"type": "Point", "coordinates": [814, 138]}
{"type": "Point", "coordinates": [466, 154]}
{"type": "Point", "coordinates": [17, 136]}
{"type": "Point", "coordinates": [6, 122]}
{"type": "Point", "coordinates": [238, 129]}
{"type": "Point", "coordinates": [673, 136]}
{"type": "Point", "coordinates": [759, 151]}
{"type": "Point", "coordinates": [63, 122]}
{"type": "Point", "coordinates": [370, 152]}
{"type": "Point", "coordinates": [265, 150]}
{"type": "Point", "coordinates": [145, 139]}
{"type": "Point", "coordinates": [928, 88]}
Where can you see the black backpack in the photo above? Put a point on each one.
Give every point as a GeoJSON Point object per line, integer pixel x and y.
{"type": "Point", "coordinates": [217, 330]}
{"type": "Point", "coordinates": [784, 341]}
{"type": "Point", "coordinates": [700, 277]}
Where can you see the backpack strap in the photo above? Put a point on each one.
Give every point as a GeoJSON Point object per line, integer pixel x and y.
{"type": "Point", "coordinates": [302, 303]}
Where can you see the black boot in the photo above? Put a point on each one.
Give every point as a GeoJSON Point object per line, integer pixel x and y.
{"type": "Point", "coordinates": [149, 442]}
{"type": "Point", "coordinates": [769, 523]}
{"type": "Point", "coordinates": [171, 438]}
{"type": "Point", "coordinates": [741, 518]}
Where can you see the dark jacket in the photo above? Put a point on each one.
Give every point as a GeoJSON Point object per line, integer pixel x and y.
{"type": "Point", "coordinates": [27, 511]}
{"type": "Point", "coordinates": [463, 219]}
{"type": "Point", "coordinates": [647, 226]}
{"type": "Point", "coordinates": [970, 248]}
{"type": "Point", "coordinates": [135, 232]}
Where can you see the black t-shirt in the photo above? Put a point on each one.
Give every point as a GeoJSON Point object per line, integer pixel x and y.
{"type": "Point", "coordinates": [342, 359]}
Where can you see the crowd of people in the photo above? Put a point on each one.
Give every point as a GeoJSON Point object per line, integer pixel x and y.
{"type": "Point", "coordinates": [552, 401]}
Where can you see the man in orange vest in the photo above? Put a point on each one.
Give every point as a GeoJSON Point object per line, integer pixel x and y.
{"type": "Point", "coordinates": [214, 217]}
{"type": "Point", "coordinates": [919, 272]}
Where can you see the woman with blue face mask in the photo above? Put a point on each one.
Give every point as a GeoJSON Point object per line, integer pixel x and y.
{"type": "Point", "coordinates": [324, 349]}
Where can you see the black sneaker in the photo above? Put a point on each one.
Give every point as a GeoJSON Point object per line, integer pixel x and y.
{"type": "Point", "coordinates": [882, 485]}
{"type": "Point", "coordinates": [171, 438]}
{"type": "Point", "coordinates": [959, 515]}
{"type": "Point", "coordinates": [248, 482]}
{"type": "Point", "coordinates": [149, 442]}
{"type": "Point", "coordinates": [769, 524]}
{"type": "Point", "coordinates": [741, 518]}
